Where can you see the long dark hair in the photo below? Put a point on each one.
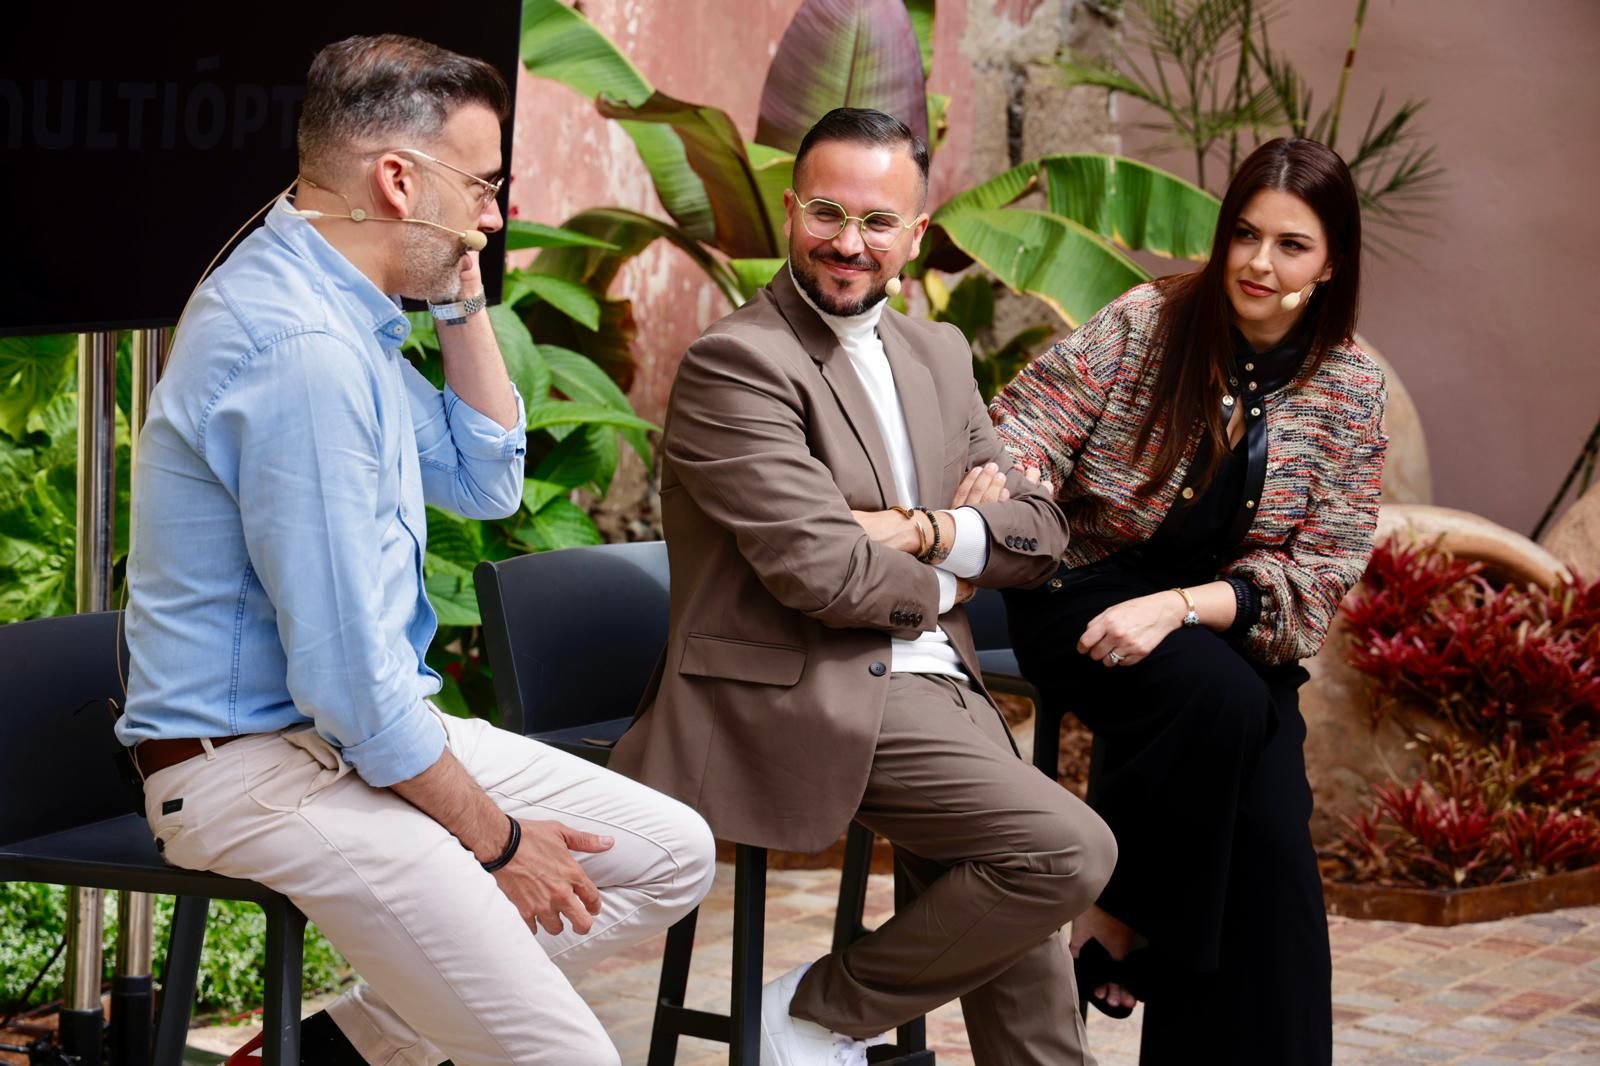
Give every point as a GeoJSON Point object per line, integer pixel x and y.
{"type": "Point", "coordinates": [1193, 331]}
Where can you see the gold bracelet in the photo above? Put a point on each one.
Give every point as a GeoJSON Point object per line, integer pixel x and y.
{"type": "Point", "coordinates": [911, 514]}
{"type": "Point", "coordinates": [1191, 619]}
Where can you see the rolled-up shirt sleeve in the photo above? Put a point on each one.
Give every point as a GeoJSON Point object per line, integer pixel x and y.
{"type": "Point", "coordinates": [297, 437]}
{"type": "Point", "coordinates": [470, 463]}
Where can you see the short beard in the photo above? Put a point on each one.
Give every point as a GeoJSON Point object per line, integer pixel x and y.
{"type": "Point", "coordinates": [806, 275]}
{"type": "Point", "coordinates": [431, 260]}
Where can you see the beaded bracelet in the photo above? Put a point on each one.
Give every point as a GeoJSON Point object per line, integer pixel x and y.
{"type": "Point", "coordinates": [933, 554]}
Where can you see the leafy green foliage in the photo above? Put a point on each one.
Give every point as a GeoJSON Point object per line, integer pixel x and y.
{"type": "Point", "coordinates": [38, 478]}
{"type": "Point", "coordinates": [33, 920]}
{"type": "Point", "coordinates": [560, 44]}
{"type": "Point", "coordinates": [576, 416]}
{"type": "Point", "coordinates": [1209, 68]}
{"type": "Point", "coordinates": [970, 308]}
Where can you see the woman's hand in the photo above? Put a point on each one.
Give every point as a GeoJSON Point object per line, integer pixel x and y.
{"type": "Point", "coordinates": [1132, 629]}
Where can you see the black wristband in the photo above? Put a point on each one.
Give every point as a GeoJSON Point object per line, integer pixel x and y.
{"type": "Point", "coordinates": [1246, 605]}
{"type": "Point", "coordinates": [511, 847]}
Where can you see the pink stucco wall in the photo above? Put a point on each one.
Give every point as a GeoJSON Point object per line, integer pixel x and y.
{"type": "Point", "coordinates": [566, 157]}
{"type": "Point", "coordinates": [1489, 325]}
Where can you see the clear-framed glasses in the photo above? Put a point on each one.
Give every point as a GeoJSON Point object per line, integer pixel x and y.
{"type": "Point", "coordinates": [487, 190]}
{"type": "Point", "coordinates": [825, 220]}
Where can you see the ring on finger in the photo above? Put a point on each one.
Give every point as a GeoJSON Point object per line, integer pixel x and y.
{"type": "Point", "coordinates": [1114, 658]}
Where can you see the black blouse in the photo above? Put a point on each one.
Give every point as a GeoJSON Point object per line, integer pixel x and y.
{"type": "Point", "coordinates": [1202, 529]}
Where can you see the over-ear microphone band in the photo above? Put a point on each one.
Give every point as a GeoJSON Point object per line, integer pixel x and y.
{"type": "Point", "coordinates": [475, 240]}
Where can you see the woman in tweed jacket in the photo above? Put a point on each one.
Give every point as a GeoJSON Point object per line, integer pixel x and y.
{"type": "Point", "coordinates": [1216, 442]}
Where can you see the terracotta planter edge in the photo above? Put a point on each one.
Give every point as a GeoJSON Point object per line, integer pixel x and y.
{"type": "Point", "coordinates": [1487, 903]}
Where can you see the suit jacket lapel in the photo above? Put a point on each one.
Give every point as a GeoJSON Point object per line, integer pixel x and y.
{"type": "Point", "coordinates": [920, 402]}
{"type": "Point", "coordinates": [820, 342]}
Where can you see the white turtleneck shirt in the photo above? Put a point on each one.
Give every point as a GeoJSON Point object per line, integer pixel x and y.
{"type": "Point", "coordinates": [931, 652]}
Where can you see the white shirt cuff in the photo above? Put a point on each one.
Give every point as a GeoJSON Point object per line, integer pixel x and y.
{"type": "Point", "coordinates": [947, 589]}
{"type": "Point", "coordinates": [970, 553]}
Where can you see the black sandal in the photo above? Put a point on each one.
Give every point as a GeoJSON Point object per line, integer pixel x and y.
{"type": "Point", "coordinates": [1094, 967]}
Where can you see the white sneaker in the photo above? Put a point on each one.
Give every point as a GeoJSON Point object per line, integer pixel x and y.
{"type": "Point", "coordinates": [787, 1041]}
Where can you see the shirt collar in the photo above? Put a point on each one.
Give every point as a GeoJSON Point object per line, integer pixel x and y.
{"type": "Point", "coordinates": [389, 323]}
{"type": "Point", "coordinates": [845, 327]}
{"type": "Point", "coordinates": [1274, 367]}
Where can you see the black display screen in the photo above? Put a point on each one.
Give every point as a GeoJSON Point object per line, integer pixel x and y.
{"type": "Point", "coordinates": [136, 138]}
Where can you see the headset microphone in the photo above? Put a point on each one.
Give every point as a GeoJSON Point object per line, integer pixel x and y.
{"type": "Point", "coordinates": [1291, 300]}
{"type": "Point", "coordinates": [476, 240]}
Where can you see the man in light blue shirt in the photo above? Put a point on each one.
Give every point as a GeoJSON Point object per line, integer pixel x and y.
{"type": "Point", "coordinates": [278, 695]}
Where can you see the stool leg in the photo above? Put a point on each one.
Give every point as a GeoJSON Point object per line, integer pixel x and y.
{"type": "Point", "coordinates": [1047, 737]}
{"type": "Point", "coordinates": [286, 934]}
{"type": "Point", "coordinates": [749, 918]}
{"type": "Point", "coordinates": [179, 975]}
{"type": "Point", "coordinates": [674, 986]}
{"type": "Point", "coordinates": [913, 1035]}
{"type": "Point", "coordinates": [848, 924]}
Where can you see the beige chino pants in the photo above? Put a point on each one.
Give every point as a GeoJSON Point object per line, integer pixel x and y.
{"type": "Point", "coordinates": [450, 968]}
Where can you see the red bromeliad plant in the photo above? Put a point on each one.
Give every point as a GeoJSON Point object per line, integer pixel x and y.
{"type": "Point", "coordinates": [1516, 672]}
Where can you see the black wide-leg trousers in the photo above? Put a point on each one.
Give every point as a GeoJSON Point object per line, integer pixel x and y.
{"type": "Point", "coordinates": [1201, 777]}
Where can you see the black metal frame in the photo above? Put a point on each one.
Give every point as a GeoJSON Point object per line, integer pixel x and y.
{"type": "Point", "coordinates": [60, 676]}
{"type": "Point", "coordinates": [535, 609]}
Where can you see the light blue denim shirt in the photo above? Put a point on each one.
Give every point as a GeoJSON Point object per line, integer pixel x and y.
{"type": "Point", "coordinates": [278, 530]}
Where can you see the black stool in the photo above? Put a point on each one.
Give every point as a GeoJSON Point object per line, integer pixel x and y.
{"type": "Point", "coordinates": [569, 669]}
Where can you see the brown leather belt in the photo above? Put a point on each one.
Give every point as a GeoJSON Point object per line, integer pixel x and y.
{"type": "Point", "coordinates": [154, 756]}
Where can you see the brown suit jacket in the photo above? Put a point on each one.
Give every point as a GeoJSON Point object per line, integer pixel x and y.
{"type": "Point", "coordinates": [764, 711]}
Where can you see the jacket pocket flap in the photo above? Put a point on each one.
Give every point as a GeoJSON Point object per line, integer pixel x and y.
{"type": "Point", "coordinates": [742, 660]}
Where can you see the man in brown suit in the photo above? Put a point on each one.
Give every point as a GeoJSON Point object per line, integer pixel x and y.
{"type": "Point", "coordinates": [819, 666]}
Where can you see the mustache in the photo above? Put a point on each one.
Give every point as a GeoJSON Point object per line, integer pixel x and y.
{"type": "Point", "coordinates": [849, 260]}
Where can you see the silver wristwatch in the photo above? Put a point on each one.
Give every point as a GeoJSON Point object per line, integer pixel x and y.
{"type": "Point", "coordinates": [453, 314]}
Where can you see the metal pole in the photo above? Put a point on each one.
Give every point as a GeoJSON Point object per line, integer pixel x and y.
{"type": "Point", "coordinates": [133, 991]}
{"type": "Point", "coordinates": [82, 1020]}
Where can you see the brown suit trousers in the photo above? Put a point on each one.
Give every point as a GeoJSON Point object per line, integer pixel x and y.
{"type": "Point", "coordinates": [774, 712]}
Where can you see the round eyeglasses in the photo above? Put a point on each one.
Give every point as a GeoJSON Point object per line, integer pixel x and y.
{"type": "Point", "coordinates": [826, 220]}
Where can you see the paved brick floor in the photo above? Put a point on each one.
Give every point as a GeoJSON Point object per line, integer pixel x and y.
{"type": "Point", "coordinates": [1521, 990]}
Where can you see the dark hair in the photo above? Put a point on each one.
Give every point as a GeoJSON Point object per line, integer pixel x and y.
{"type": "Point", "coordinates": [365, 89]}
{"type": "Point", "coordinates": [864, 125]}
{"type": "Point", "coordinates": [1193, 330]}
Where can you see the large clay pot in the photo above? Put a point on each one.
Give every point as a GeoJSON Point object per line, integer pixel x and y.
{"type": "Point", "coordinates": [1344, 752]}
{"type": "Point", "coordinates": [1575, 538]}
{"type": "Point", "coordinates": [1407, 474]}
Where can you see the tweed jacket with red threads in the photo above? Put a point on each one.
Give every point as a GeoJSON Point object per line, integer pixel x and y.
{"type": "Point", "coordinates": [1075, 412]}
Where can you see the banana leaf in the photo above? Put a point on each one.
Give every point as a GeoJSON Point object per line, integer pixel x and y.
{"type": "Point", "coordinates": [520, 235]}
{"type": "Point", "coordinates": [921, 12]}
{"type": "Point", "coordinates": [743, 226]}
{"type": "Point", "coordinates": [1069, 267]}
{"type": "Point", "coordinates": [753, 274]}
{"type": "Point", "coordinates": [774, 172]}
{"type": "Point", "coordinates": [560, 44]}
{"type": "Point", "coordinates": [628, 233]}
{"type": "Point", "coordinates": [1134, 204]}
{"type": "Point", "coordinates": [843, 53]}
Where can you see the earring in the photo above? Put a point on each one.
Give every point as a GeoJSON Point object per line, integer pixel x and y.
{"type": "Point", "coordinates": [893, 286]}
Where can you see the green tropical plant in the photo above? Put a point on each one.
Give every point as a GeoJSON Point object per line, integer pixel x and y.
{"type": "Point", "coordinates": [578, 422]}
{"type": "Point", "coordinates": [723, 195]}
{"type": "Point", "coordinates": [578, 419]}
{"type": "Point", "coordinates": [38, 475]}
{"type": "Point", "coordinates": [232, 964]}
{"type": "Point", "coordinates": [1209, 68]}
